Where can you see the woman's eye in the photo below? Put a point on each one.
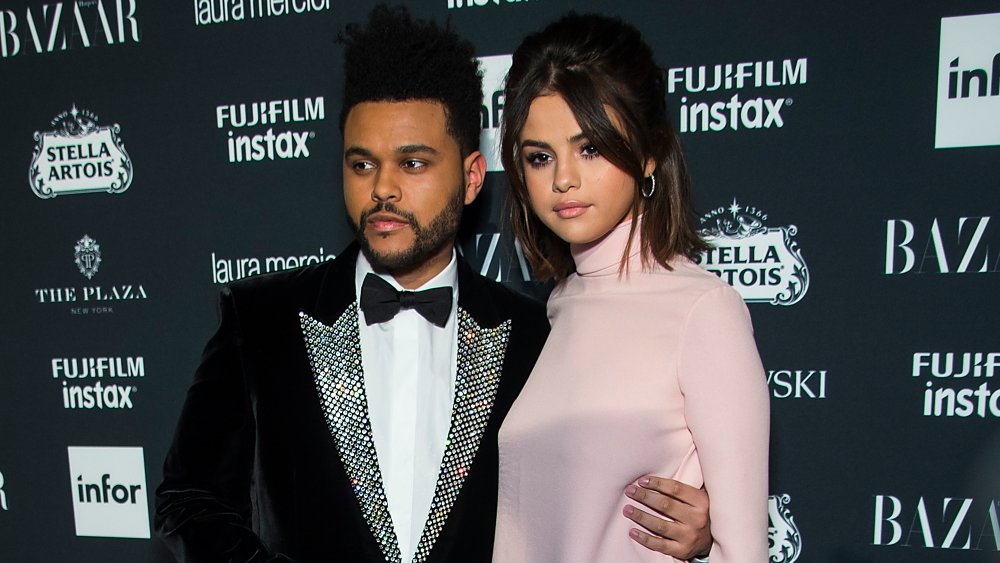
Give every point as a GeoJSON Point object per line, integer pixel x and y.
{"type": "Point", "coordinates": [589, 151]}
{"type": "Point", "coordinates": [537, 159]}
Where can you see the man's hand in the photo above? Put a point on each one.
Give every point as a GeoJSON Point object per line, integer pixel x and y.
{"type": "Point", "coordinates": [678, 525]}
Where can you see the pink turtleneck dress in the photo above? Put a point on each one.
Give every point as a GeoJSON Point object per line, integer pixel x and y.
{"type": "Point", "coordinates": [655, 373]}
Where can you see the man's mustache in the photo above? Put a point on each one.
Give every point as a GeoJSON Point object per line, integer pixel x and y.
{"type": "Point", "coordinates": [386, 207]}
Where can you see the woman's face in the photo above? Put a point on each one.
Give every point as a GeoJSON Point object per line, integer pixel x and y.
{"type": "Point", "coordinates": [576, 192]}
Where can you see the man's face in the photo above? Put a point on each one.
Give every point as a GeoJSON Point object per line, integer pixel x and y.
{"type": "Point", "coordinates": [405, 183]}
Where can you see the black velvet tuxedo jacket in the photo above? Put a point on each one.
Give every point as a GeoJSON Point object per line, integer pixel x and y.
{"type": "Point", "coordinates": [272, 459]}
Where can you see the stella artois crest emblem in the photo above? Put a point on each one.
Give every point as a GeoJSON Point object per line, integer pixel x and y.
{"type": "Point", "coordinates": [784, 541]}
{"type": "Point", "coordinates": [78, 156]}
{"type": "Point", "coordinates": [764, 264]}
{"type": "Point", "coordinates": [87, 255]}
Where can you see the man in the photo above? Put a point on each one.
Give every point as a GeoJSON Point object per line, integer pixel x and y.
{"type": "Point", "coordinates": [348, 411]}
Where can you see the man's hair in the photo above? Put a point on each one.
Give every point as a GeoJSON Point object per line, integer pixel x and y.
{"type": "Point", "coordinates": [395, 59]}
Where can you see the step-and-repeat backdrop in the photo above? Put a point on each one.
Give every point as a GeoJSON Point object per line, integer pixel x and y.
{"type": "Point", "coordinates": [845, 159]}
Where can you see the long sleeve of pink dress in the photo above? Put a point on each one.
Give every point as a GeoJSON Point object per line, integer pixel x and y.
{"type": "Point", "coordinates": [651, 373]}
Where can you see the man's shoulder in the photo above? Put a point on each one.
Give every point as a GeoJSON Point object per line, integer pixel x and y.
{"type": "Point", "coordinates": [292, 284]}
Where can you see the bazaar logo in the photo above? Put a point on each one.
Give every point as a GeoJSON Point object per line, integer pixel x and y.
{"type": "Point", "coordinates": [108, 487]}
{"type": "Point", "coordinates": [783, 538]}
{"type": "Point", "coordinates": [87, 255]}
{"type": "Point", "coordinates": [950, 246]}
{"type": "Point", "coordinates": [952, 523]}
{"type": "Point", "coordinates": [62, 25]}
{"type": "Point", "coordinates": [968, 85]}
{"type": "Point", "coordinates": [79, 157]}
{"type": "Point", "coordinates": [764, 264]}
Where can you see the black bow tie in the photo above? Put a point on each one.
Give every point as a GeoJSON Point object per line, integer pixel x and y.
{"type": "Point", "coordinates": [381, 302]}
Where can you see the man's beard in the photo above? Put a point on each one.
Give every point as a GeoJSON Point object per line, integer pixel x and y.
{"type": "Point", "coordinates": [427, 240]}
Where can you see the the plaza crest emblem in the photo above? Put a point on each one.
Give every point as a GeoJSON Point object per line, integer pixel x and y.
{"type": "Point", "coordinates": [764, 264]}
{"type": "Point", "coordinates": [783, 538]}
{"type": "Point", "coordinates": [78, 156]}
{"type": "Point", "coordinates": [87, 255]}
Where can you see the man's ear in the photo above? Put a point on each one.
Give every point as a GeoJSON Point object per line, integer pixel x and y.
{"type": "Point", "coordinates": [474, 168]}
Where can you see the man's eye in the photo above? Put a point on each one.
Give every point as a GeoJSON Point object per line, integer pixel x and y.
{"type": "Point", "coordinates": [414, 164]}
{"type": "Point", "coordinates": [362, 165]}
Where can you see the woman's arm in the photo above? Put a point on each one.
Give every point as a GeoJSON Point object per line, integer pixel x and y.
{"type": "Point", "coordinates": [727, 410]}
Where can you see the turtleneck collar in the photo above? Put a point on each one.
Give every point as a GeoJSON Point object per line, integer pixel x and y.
{"type": "Point", "coordinates": [603, 256]}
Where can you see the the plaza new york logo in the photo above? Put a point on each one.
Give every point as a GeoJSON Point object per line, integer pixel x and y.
{"type": "Point", "coordinates": [783, 538]}
{"type": "Point", "coordinates": [79, 157]}
{"type": "Point", "coordinates": [764, 264]}
{"type": "Point", "coordinates": [87, 255]}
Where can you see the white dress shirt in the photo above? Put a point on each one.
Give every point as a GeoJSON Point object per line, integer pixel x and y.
{"type": "Point", "coordinates": [410, 367]}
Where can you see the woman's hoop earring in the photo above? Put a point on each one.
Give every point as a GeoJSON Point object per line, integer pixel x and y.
{"type": "Point", "coordinates": [652, 187]}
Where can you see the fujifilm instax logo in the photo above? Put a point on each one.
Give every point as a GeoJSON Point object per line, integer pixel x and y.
{"type": "Point", "coordinates": [968, 102]}
{"type": "Point", "coordinates": [109, 492]}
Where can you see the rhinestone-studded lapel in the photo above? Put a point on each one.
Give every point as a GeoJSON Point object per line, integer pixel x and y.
{"type": "Point", "coordinates": [481, 353]}
{"type": "Point", "coordinates": [335, 358]}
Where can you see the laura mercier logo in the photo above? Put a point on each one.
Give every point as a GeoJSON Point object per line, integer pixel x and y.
{"type": "Point", "coordinates": [109, 492]}
{"type": "Point", "coordinates": [452, 4]}
{"type": "Point", "coordinates": [764, 264]}
{"type": "Point", "coordinates": [208, 12]}
{"type": "Point", "coordinates": [79, 157]}
{"type": "Point", "coordinates": [968, 100]}
{"type": "Point", "coordinates": [783, 538]}
{"type": "Point", "coordinates": [225, 270]}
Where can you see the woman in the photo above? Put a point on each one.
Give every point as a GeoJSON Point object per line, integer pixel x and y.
{"type": "Point", "coordinates": [651, 366]}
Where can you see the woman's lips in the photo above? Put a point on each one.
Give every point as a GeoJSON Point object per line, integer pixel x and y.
{"type": "Point", "coordinates": [571, 209]}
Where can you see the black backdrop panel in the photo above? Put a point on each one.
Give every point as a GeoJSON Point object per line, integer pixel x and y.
{"type": "Point", "coordinates": [844, 158]}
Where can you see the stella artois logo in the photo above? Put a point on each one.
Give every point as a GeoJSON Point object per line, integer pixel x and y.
{"type": "Point", "coordinates": [784, 541]}
{"type": "Point", "coordinates": [87, 255]}
{"type": "Point", "coordinates": [764, 264]}
{"type": "Point", "coordinates": [79, 157]}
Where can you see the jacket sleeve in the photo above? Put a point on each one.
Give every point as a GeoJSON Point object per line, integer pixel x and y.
{"type": "Point", "coordinates": [203, 508]}
{"type": "Point", "coordinates": [727, 410]}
